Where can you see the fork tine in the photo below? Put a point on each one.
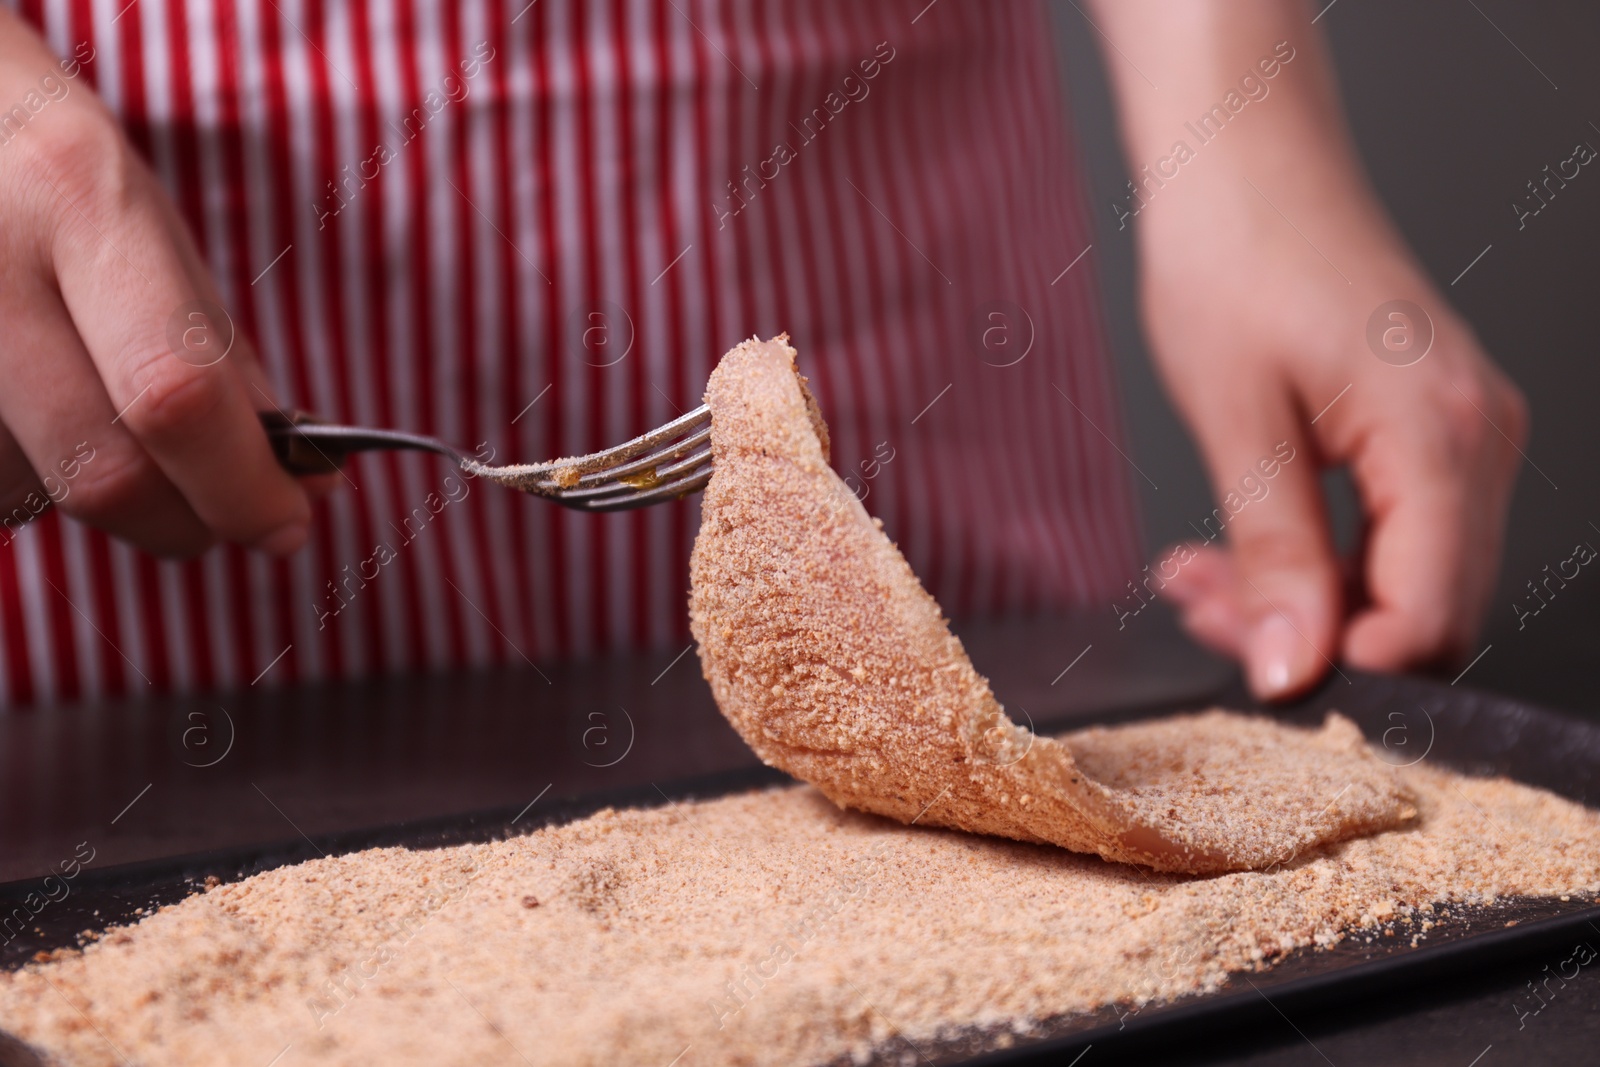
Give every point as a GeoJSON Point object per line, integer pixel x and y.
{"type": "Point", "coordinates": [673, 472]}
{"type": "Point", "coordinates": [596, 476]}
{"type": "Point", "coordinates": [695, 420]}
{"type": "Point", "coordinates": [652, 459]}
{"type": "Point", "coordinates": [641, 497]}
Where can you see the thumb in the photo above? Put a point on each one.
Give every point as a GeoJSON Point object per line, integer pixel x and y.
{"type": "Point", "coordinates": [1287, 584]}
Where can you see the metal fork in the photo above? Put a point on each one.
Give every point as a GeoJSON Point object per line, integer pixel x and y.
{"type": "Point", "coordinates": [667, 463]}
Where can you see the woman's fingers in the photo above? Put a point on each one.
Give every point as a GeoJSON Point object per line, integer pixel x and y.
{"type": "Point", "coordinates": [57, 411]}
{"type": "Point", "coordinates": [1198, 572]}
{"type": "Point", "coordinates": [1416, 557]}
{"type": "Point", "coordinates": [1204, 590]}
{"type": "Point", "coordinates": [167, 354]}
{"type": "Point", "coordinates": [22, 497]}
{"type": "Point", "coordinates": [1436, 493]}
{"type": "Point", "coordinates": [1434, 466]}
{"type": "Point", "coordinates": [1270, 505]}
{"type": "Point", "coordinates": [128, 400]}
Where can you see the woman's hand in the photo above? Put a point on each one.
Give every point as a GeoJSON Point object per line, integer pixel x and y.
{"type": "Point", "coordinates": [1269, 274]}
{"type": "Point", "coordinates": [125, 401]}
{"type": "Point", "coordinates": [1268, 338]}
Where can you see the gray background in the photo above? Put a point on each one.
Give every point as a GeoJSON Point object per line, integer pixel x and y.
{"type": "Point", "coordinates": [1452, 121]}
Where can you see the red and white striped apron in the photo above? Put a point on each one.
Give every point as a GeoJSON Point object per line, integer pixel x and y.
{"type": "Point", "coordinates": [537, 225]}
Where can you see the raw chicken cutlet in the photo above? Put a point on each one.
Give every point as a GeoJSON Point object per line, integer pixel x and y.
{"type": "Point", "coordinates": [835, 665]}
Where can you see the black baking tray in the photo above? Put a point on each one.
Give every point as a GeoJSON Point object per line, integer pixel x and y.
{"type": "Point", "coordinates": [1408, 718]}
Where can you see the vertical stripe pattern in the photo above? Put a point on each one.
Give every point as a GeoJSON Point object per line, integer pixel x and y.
{"type": "Point", "coordinates": [533, 228]}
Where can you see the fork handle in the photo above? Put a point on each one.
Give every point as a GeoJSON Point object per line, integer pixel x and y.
{"type": "Point", "coordinates": [304, 444]}
{"type": "Point", "coordinates": [296, 452]}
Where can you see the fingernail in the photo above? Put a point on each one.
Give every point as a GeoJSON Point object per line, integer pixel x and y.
{"type": "Point", "coordinates": [285, 539]}
{"type": "Point", "coordinates": [1272, 651]}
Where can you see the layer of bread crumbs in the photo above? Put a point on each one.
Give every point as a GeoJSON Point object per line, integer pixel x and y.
{"type": "Point", "coordinates": [762, 928]}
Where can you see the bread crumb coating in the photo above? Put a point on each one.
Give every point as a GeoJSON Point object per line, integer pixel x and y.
{"type": "Point", "coordinates": [835, 665]}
